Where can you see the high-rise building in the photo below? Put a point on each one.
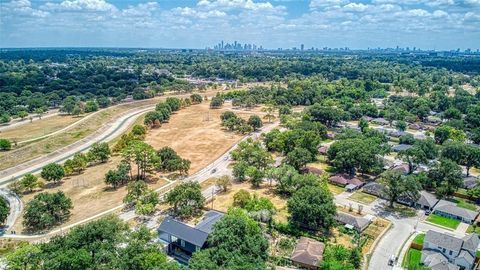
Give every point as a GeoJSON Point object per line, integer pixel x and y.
{"type": "Point", "coordinates": [302, 47]}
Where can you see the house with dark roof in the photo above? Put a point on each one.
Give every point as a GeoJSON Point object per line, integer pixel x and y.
{"type": "Point", "coordinates": [400, 147]}
{"type": "Point", "coordinates": [427, 200]}
{"type": "Point", "coordinates": [355, 222]}
{"type": "Point", "coordinates": [380, 121]}
{"type": "Point", "coordinates": [451, 210]}
{"type": "Point", "coordinates": [308, 253]}
{"type": "Point", "coordinates": [182, 240]}
{"type": "Point", "coordinates": [311, 169]}
{"type": "Point", "coordinates": [373, 188]}
{"type": "Point", "coordinates": [443, 251]}
{"type": "Point", "coordinates": [470, 182]}
{"type": "Point", "coordinates": [344, 180]}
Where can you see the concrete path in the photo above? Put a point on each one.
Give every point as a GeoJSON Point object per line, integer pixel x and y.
{"type": "Point", "coordinates": [106, 133]}
{"type": "Point", "coordinates": [16, 207]}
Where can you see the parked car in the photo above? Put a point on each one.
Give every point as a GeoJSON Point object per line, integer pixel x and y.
{"type": "Point", "coordinates": [427, 212]}
{"type": "Point", "coordinates": [392, 260]}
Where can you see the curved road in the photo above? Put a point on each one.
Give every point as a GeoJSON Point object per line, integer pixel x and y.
{"type": "Point", "coordinates": [220, 165]}
{"type": "Point", "coordinates": [107, 132]}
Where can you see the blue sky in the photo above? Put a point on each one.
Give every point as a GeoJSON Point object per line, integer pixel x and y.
{"type": "Point", "coordinates": [427, 24]}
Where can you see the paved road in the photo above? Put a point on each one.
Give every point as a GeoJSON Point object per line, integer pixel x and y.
{"type": "Point", "coordinates": [15, 208]}
{"type": "Point", "coordinates": [217, 168]}
{"type": "Point", "coordinates": [104, 134]}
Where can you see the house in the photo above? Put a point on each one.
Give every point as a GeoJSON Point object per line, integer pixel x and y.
{"type": "Point", "coordinates": [380, 121]}
{"type": "Point", "coordinates": [396, 133]}
{"type": "Point", "coordinates": [350, 183]}
{"type": "Point", "coordinates": [401, 147]}
{"type": "Point", "coordinates": [451, 210]}
{"type": "Point", "coordinates": [182, 240]}
{"type": "Point", "coordinates": [310, 169]}
{"type": "Point", "coordinates": [373, 188]}
{"type": "Point", "coordinates": [355, 222]}
{"type": "Point", "coordinates": [427, 201]}
{"type": "Point", "coordinates": [443, 251]}
{"type": "Point", "coordinates": [470, 182]}
{"type": "Point", "coordinates": [308, 253]}
{"type": "Point", "coordinates": [402, 169]}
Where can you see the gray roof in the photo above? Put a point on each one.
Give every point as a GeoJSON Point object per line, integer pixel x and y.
{"type": "Point", "coordinates": [427, 199]}
{"type": "Point", "coordinates": [444, 240]}
{"type": "Point", "coordinates": [453, 209]}
{"type": "Point", "coordinates": [400, 147]}
{"type": "Point", "coordinates": [359, 223]}
{"type": "Point", "coordinates": [471, 242]}
{"type": "Point", "coordinates": [436, 261]}
{"type": "Point", "coordinates": [196, 235]}
{"type": "Point", "coordinates": [467, 256]}
{"type": "Point", "coordinates": [210, 218]}
{"type": "Point", "coordinates": [470, 182]}
{"type": "Point", "coordinates": [183, 231]}
{"type": "Point", "coordinates": [373, 188]}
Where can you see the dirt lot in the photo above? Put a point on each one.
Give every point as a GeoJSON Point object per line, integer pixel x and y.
{"type": "Point", "coordinates": [195, 134]}
{"type": "Point", "coordinates": [188, 132]}
{"type": "Point", "coordinates": [39, 128]}
{"type": "Point", "coordinates": [223, 201]}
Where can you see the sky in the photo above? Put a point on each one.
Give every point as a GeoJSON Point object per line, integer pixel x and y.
{"type": "Point", "coordinates": [357, 24]}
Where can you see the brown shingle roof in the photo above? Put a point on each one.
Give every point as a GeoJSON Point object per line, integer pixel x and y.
{"type": "Point", "coordinates": [343, 179]}
{"type": "Point", "coordinates": [308, 252]}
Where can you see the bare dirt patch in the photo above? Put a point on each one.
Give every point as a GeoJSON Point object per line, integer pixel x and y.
{"type": "Point", "coordinates": [195, 133]}
{"type": "Point", "coordinates": [89, 194]}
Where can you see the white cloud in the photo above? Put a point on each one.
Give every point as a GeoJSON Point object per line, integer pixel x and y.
{"type": "Point", "coordinates": [357, 7]}
{"type": "Point", "coordinates": [315, 4]}
{"type": "Point", "coordinates": [21, 8]}
{"type": "Point", "coordinates": [141, 10]}
{"type": "Point", "coordinates": [440, 14]}
{"type": "Point", "coordinates": [80, 5]}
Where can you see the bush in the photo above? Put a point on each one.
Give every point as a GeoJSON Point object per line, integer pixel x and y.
{"type": "Point", "coordinates": [5, 144]}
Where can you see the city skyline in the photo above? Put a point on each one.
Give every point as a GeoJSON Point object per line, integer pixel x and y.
{"type": "Point", "coordinates": [358, 24]}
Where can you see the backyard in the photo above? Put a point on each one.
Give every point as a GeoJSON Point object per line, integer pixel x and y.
{"type": "Point", "coordinates": [362, 197]}
{"type": "Point", "coordinates": [443, 221]}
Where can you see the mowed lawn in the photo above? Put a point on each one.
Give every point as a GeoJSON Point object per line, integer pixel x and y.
{"type": "Point", "coordinates": [335, 190]}
{"type": "Point", "coordinates": [443, 221]}
{"type": "Point", "coordinates": [419, 239]}
{"type": "Point", "coordinates": [412, 260]}
{"type": "Point", "coordinates": [362, 197]}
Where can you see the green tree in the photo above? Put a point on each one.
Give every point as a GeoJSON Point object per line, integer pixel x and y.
{"type": "Point", "coordinates": [241, 198]}
{"type": "Point", "coordinates": [255, 122]}
{"type": "Point", "coordinates": [22, 114]}
{"type": "Point", "coordinates": [393, 186]}
{"type": "Point", "coordinates": [224, 182]}
{"type": "Point", "coordinates": [196, 98]}
{"type": "Point", "coordinates": [26, 256]}
{"type": "Point", "coordinates": [414, 156]}
{"type": "Point", "coordinates": [143, 155]}
{"type": "Point", "coordinates": [5, 144]}
{"type": "Point", "coordinates": [186, 199]}
{"type": "Point", "coordinates": [4, 210]}
{"type": "Point", "coordinates": [326, 115]}
{"type": "Point", "coordinates": [141, 197]}
{"type": "Point", "coordinates": [445, 177]}
{"type": "Point", "coordinates": [29, 182]}
{"type": "Point", "coordinates": [174, 103]}
{"type": "Point", "coordinates": [236, 242]}
{"type": "Point", "coordinates": [46, 210]}
{"type": "Point", "coordinates": [216, 102]}
{"type": "Point", "coordinates": [52, 172]}
{"type": "Point", "coordinates": [363, 124]}
{"type": "Point", "coordinates": [99, 152]}
{"type": "Point", "coordinates": [401, 125]}
{"type": "Point", "coordinates": [91, 106]}
{"type": "Point", "coordinates": [312, 208]}
{"type": "Point", "coordinates": [269, 111]}
{"type": "Point", "coordinates": [299, 157]}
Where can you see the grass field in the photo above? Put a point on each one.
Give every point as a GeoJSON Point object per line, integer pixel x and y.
{"type": "Point", "coordinates": [39, 128]}
{"type": "Point", "coordinates": [335, 190]}
{"type": "Point", "coordinates": [443, 221]}
{"type": "Point", "coordinates": [465, 204]}
{"type": "Point", "coordinates": [419, 239]}
{"type": "Point", "coordinates": [411, 260]}
{"type": "Point", "coordinates": [362, 197]}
